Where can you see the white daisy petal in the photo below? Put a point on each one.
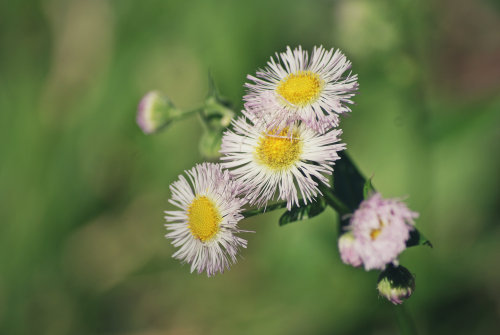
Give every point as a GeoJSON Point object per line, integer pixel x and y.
{"type": "Point", "coordinates": [282, 163]}
{"type": "Point", "coordinates": [295, 87]}
{"type": "Point", "coordinates": [205, 228]}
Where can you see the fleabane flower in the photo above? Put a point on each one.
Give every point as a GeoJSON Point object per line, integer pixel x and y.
{"type": "Point", "coordinates": [285, 162]}
{"type": "Point", "coordinates": [313, 90]}
{"type": "Point", "coordinates": [380, 228]}
{"type": "Point", "coordinates": [206, 226]}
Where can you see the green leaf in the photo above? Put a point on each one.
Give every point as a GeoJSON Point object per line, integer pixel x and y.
{"type": "Point", "coordinates": [256, 211]}
{"type": "Point", "coordinates": [303, 212]}
{"type": "Point", "coordinates": [212, 89]}
{"type": "Point", "coordinates": [348, 183]}
{"type": "Point", "coordinates": [368, 189]}
{"type": "Point", "coordinates": [417, 238]}
{"type": "Point", "coordinates": [217, 111]}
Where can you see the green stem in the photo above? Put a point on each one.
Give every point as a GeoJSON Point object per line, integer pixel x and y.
{"type": "Point", "coordinates": [256, 211]}
{"type": "Point", "coordinates": [333, 201]}
{"type": "Point", "coordinates": [183, 114]}
{"type": "Point", "coordinates": [405, 321]}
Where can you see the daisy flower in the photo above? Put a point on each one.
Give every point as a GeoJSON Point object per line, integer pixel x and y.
{"type": "Point", "coordinates": [380, 228]}
{"type": "Point", "coordinates": [205, 227]}
{"type": "Point", "coordinates": [314, 90]}
{"type": "Point", "coordinates": [279, 162]}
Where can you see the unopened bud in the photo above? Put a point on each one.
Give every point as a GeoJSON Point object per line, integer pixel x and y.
{"type": "Point", "coordinates": [216, 116]}
{"type": "Point", "coordinates": [210, 143]}
{"type": "Point", "coordinates": [155, 112]}
{"type": "Point", "coordinates": [396, 283]}
{"type": "Point", "coordinates": [217, 113]}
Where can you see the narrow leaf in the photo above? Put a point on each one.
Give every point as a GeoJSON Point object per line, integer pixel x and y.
{"type": "Point", "coordinates": [304, 212]}
{"type": "Point", "coordinates": [256, 211]}
{"type": "Point", "coordinates": [417, 238]}
{"type": "Point", "coordinates": [348, 183]}
{"type": "Point", "coordinates": [368, 189]}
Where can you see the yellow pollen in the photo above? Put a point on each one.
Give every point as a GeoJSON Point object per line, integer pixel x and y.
{"type": "Point", "coordinates": [204, 218]}
{"type": "Point", "coordinates": [376, 232]}
{"type": "Point", "coordinates": [278, 151]}
{"type": "Point", "coordinates": [300, 88]}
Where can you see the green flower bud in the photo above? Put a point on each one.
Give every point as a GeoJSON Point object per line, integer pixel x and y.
{"type": "Point", "coordinates": [155, 112]}
{"type": "Point", "coordinates": [217, 114]}
{"type": "Point", "coordinates": [210, 143]}
{"type": "Point", "coordinates": [395, 284]}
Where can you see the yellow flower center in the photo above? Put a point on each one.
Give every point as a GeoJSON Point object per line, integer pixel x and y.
{"type": "Point", "coordinates": [278, 151]}
{"type": "Point", "coordinates": [204, 218]}
{"type": "Point", "coordinates": [376, 232]}
{"type": "Point", "coordinates": [301, 88]}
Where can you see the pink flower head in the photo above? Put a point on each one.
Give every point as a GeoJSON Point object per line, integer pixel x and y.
{"type": "Point", "coordinates": [381, 228]}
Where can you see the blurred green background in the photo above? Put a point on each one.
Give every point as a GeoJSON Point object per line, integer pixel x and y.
{"type": "Point", "coordinates": [82, 190]}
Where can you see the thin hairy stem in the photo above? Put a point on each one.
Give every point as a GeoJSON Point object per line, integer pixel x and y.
{"type": "Point", "coordinates": [405, 321]}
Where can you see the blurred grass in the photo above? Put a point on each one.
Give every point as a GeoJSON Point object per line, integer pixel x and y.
{"type": "Point", "coordinates": [82, 190]}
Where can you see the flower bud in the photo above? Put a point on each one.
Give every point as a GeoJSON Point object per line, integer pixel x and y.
{"type": "Point", "coordinates": [155, 112]}
{"type": "Point", "coordinates": [396, 283]}
{"type": "Point", "coordinates": [217, 114]}
{"type": "Point", "coordinates": [210, 143]}
{"type": "Point", "coordinates": [347, 250]}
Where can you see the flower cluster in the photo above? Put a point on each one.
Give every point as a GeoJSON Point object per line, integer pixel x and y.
{"type": "Point", "coordinates": [282, 147]}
